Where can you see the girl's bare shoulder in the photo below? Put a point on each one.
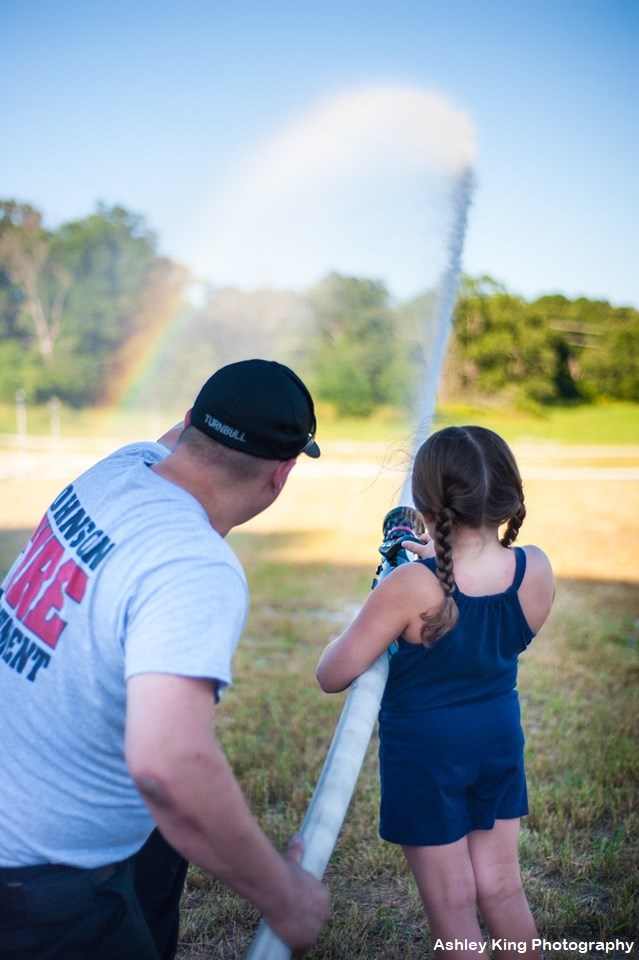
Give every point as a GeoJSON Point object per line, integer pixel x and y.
{"type": "Point", "coordinates": [537, 591]}
{"type": "Point", "coordinates": [537, 562]}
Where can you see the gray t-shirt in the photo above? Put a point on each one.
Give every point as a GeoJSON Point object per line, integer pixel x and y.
{"type": "Point", "coordinates": [124, 575]}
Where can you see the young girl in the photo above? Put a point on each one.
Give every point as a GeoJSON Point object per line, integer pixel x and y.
{"type": "Point", "coordinates": [453, 785]}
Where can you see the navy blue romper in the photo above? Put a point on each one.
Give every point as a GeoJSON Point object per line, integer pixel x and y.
{"type": "Point", "coordinates": [451, 747]}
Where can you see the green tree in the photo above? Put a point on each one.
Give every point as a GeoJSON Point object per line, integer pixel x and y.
{"type": "Point", "coordinates": [599, 346]}
{"type": "Point", "coordinates": [40, 281]}
{"type": "Point", "coordinates": [117, 276]}
{"type": "Point", "coordinates": [502, 347]}
{"type": "Point", "coordinates": [94, 291]}
{"type": "Point", "coordinates": [358, 358]}
{"type": "Point", "coordinates": [614, 371]}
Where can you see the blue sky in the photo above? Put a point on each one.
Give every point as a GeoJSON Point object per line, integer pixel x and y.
{"type": "Point", "coordinates": [177, 110]}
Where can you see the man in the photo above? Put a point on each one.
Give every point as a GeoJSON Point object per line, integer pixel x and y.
{"type": "Point", "coordinates": [117, 627]}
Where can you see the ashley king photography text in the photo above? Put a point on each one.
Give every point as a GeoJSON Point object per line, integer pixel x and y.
{"type": "Point", "coordinates": [611, 948]}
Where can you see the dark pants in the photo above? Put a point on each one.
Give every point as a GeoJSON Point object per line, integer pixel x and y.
{"type": "Point", "coordinates": [126, 912]}
{"type": "Point", "coordinates": [159, 873]}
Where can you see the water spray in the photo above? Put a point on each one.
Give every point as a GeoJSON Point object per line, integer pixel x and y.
{"type": "Point", "coordinates": [332, 796]}
{"type": "Point", "coordinates": [437, 348]}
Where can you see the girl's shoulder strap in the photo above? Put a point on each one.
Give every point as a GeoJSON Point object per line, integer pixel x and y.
{"type": "Point", "coordinates": [520, 567]}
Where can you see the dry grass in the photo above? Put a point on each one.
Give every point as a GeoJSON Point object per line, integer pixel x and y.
{"type": "Point", "coordinates": [579, 845]}
{"type": "Point", "coordinates": [309, 562]}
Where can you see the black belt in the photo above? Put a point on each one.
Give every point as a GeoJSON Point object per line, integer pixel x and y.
{"type": "Point", "coordinates": [14, 880]}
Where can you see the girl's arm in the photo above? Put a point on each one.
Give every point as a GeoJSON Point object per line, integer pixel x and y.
{"type": "Point", "coordinates": [537, 590]}
{"type": "Point", "coordinates": [390, 610]}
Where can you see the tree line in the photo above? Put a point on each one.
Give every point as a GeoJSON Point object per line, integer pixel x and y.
{"type": "Point", "coordinates": [80, 303]}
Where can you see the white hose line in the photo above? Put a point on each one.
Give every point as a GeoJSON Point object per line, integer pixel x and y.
{"type": "Point", "coordinates": [332, 796]}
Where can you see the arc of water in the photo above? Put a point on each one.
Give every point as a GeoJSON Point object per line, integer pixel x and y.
{"type": "Point", "coordinates": [443, 321]}
{"type": "Point", "coordinates": [336, 783]}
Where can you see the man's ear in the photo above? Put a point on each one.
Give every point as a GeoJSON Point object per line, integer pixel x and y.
{"type": "Point", "coordinates": [281, 472]}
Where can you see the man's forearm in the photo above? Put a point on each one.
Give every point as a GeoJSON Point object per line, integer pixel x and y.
{"type": "Point", "coordinates": [189, 788]}
{"type": "Point", "coordinates": [201, 811]}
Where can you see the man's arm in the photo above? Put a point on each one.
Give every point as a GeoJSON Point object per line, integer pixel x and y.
{"type": "Point", "coordinates": [189, 788]}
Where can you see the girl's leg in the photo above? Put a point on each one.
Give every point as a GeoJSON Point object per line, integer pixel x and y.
{"type": "Point", "coordinates": [446, 883]}
{"type": "Point", "coordinates": [500, 895]}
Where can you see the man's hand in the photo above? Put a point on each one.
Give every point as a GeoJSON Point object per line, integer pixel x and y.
{"type": "Point", "coordinates": [299, 926]}
{"type": "Point", "coordinates": [189, 788]}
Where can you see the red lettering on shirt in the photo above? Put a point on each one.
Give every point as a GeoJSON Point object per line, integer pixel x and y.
{"type": "Point", "coordinates": [70, 581]}
{"type": "Point", "coordinates": [29, 580]}
{"type": "Point", "coordinates": [41, 583]}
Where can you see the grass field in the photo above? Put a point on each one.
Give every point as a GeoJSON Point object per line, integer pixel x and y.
{"type": "Point", "coordinates": [607, 423]}
{"type": "Point", "coordinates": [309, 563]}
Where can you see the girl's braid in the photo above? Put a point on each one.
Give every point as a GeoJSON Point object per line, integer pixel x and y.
{"type": "Point", "coordinates": [436, 624]}
{"type": "Point", "coordinates": [464, 477]}
{"type": "Point", "coordinates": [444, 549]}
{"type": "Point", "coordinates": [515, 522]}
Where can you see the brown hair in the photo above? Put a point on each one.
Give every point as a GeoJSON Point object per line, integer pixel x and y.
{"type": "Point", "coordinates": [236, 465]}
{"type": "Point", "coordinates": [467, 477]}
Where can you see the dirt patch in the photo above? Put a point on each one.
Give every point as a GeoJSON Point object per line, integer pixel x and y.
{"type": "Point", "coordinates": [588, 524]}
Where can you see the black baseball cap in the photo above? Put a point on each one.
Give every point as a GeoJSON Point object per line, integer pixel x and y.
{"type": "Point", "coordinates": [260, 407]}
